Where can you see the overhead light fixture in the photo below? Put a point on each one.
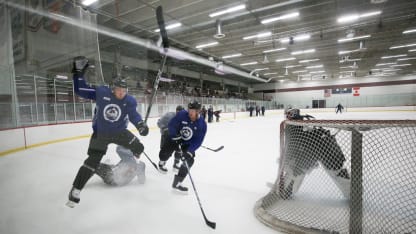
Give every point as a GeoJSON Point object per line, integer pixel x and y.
{"type": "Point", "coordinates": [285, 59]}
{"type": "Point", "coordinates": [346, 71]}
{"type": "Point", "coordinates": [412, 50]}
{"type": "Point", "coordinates": [401, 65]}
{"type": "Point", "coordinates": [301, 37]}
{"type": "Point", "coordinates": [391, 69]}
{"type": "Point", "coordinates": [270, 73]}
{"type": "Point", "coordinates": [282, 17]}
{"type": "Point", "coordinates": [316, 66]}
{"type": "Point", "coordinates": [88, 2]}
{"type": "Point", "coordinates": [344, 52]}
{"type": "Point", "coordinates": [258, 35]}
{"type": "Point", "coordinates": [409, 31]}
{"type": "Point", "coordinates": [308, 60]}
{"type": "Point", "coordinates": [206, 45]}
{"type": "Point", "coordinates": [347, 39]}
{"type": "Point", "coordinates": [348, 67]}
{"type": "Point", "coordinates": [231, 55]}
{"type": "Point", "coordinates": [394, 56]}
{"type": "Point", "coordinates": [261, 69]}
{"type": "Point", "coordinates": [384, 64]}
{"type": "Point", "coordinates": [355, 17]}
{"type": "Point", "coordinates": [274, 50]}
{"type": "Point", "coordinates": [349, 60]}
{"type": "Point", "coordinates": [300, 71]}
{"type": "Point", "coordinates": [402, 46]}
{"type": "Point", "coordinates": [303, 52]}
{"type": "Point", "coordinates": [249, 63]}
{"type": "Point", "coordinates": [404, 59]}
{"type": "Point", "coordinates": [219, 33]}
{"type": "Point", "coordinates": [316, 72]}
{"type": "Point", "coordinates": [292, 66]}
{"type": "Point", "coordinates": [228, 10]}
{"type": "Point", "coordinates": [170, 26]}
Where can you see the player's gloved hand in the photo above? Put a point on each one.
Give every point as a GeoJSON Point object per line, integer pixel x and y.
{"type": "Point", "coordinates": [142, 128]}
{"type": "Point", "coordinates": [80, 65]}
{"type": "Point", "coordinates": [186, 155]}
{"type": "Point", "coordinates": [178, 141]}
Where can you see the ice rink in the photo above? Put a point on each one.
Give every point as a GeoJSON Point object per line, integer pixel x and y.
{"type": "Point", "coordinates": [35, 184]}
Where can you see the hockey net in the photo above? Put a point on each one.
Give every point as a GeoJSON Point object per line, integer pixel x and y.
{"type": "Point", "coordinates": [344, 176]}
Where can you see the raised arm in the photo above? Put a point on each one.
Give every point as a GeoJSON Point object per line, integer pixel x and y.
{"type": "Point", "coordinates": [81, 88]}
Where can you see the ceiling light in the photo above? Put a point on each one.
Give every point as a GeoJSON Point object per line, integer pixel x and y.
{"type": "Point", "coordinates": [258, 35]}
{"type": "Point", "coordinates": [285, 59]}
{"type": "Point", "coordinates": [346, 39]}
{"type": "Point", "coordinates": [308, 60]}
{"type": "Point", "coordinates": [316, 66]}
{"type": "Point", "coordinates": [404, 59]}
{"type": "Point", "coordinates": [402, 65]}
{"type": "Point", "coordinates": [292, 66]}
{"type": "Point", "coordinates": [346, 71]}
{"type": "Point", "coordinates": [261, 69]}
{"type": "Point", "coordinates": [273, 50]}
{"type": "Point", "coordinates": [249, 63]}
{"type": "Point", "coordinates": [344, 52]}
{"type": "Point", "coordinates": [413, 50]}
{"type": "Point", "coordinates": [228, 10]}
{"type": "Point", "coordinates": [349, 60]}
{"type": "Point", "coordinates": [88, 2]}
{"type": "Point", "coordinates": [391, 69]}
{"type": "Point", "coordinates": [354, 17]}
{"type": "Point", "coordinates": [270, 73]}
{"type": "Point", "coordinates": [303, 52]}
{"type": "Point", "coordinates": [402, 46]}
{"type": "Point", "coordinates": [384, 64]}
{"type": "Point", "coordinates": [170, 26]}
{"type": "Point", "coordinates": [282, 17]}
{"type": "Point", "coordinates": [315, 72]}
{"type": "Point", "coordinates": [409, 31]}
{"type": "Point", "coordinates": [206, 45]}
{"type": "Point", "coordinates": [302, 37]}
{"type": "Point", "coordinates": [231, 55]}
{"type": "Point", "coordinates": [300, 71]}
{"type": "Point", "coordinates": [394, 56]}
{"type": "Point", "coordinates": [348, 67]}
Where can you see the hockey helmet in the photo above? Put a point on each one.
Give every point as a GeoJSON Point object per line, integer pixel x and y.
{"type": "Point", "coordinates": [194, 105]}
{"type": "Point", "coordinates": [293, 114]}
{"type": "Point", "coordinates": [179, 108]}
{"type": "Point", "coordinates": [120, 82]}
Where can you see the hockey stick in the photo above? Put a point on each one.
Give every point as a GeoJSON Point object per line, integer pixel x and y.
{"type": "Point", "coordinates": [154, 164]}
{"type": "Point", "coordinates": [215, 150]}
{"type": "Point", "coordinates": [165, 43]}
{"type": "Point", "coordinates": [209, 223]}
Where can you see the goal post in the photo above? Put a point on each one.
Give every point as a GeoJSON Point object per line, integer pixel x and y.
{"type": "Point", "coordinates": [344, 176]}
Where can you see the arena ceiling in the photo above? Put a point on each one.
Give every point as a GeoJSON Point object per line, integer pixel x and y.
{"type": "Point", "coordinates": [291, 39]}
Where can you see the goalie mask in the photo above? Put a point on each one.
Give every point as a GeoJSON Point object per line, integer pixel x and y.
{"type": "Point", "coordinates": [293, 114]}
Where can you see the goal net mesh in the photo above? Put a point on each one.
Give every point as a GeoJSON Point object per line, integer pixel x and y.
{"type": "Point", "coordinates": [340, 176]}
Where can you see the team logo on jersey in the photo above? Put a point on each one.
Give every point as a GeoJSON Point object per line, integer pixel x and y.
{"type": "Point", "coordinates": [186, 133]}
{"type": "Point", "coordinates": [112, 112]}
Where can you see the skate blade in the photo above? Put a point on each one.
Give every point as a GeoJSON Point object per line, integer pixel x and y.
{"type": "Point", "coordinates": [71, 204]}
{"type": "Point", "coordinates": [175, 191]}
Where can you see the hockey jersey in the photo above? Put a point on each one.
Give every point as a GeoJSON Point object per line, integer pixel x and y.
{"type": "Point", "coordinates": [111, 115]}
{"type": "Point", "coordinates": [192, 133]}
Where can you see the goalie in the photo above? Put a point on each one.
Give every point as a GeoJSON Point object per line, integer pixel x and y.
{"type": "Point", "coordinates": [304, 149]}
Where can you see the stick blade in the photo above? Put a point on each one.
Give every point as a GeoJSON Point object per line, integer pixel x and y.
{"type": "Point", "coordinates": [219, 148]}
{"type": "Point", "coordinates": [211, 224]}
{"type": "Point", "coordinates": [161, 23]}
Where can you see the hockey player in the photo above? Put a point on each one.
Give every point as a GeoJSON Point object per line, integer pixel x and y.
{"type": "Point", "coordinates": [114, 108]}
{"type": "Point", "coordinates": [339, 108]}
{"type": "Point", "coordinates": [304, 150]}
{"type": "Point", "coordinates": [162, 123]}
{"type": "Point", "coordinates": [187, 131]}
{"type": "Point", "coordinates": [210, 114]}
{"type": "Point", "coordinates": [123, 172]}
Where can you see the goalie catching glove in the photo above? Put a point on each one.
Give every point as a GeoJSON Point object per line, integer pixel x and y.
{"type": "Point", "coordinates": [80, 65]}
{"type": "Point", "coordinates": [142, 128]}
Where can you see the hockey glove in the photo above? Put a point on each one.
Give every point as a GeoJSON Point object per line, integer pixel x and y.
{"type": "Point", "coordinates": [186, 155]}
{"type": "Point", "coordinates": [142, 128]}
{"type": "Point", "coordinates": [80, 65]}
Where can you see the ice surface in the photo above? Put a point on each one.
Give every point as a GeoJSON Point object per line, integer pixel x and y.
{"type": "Point", "coordinates": [35, 183]}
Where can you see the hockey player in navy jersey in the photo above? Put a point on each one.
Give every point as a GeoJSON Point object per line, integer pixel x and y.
{"type": "Point", "coordinates": [114, 109]}
{"type": "Point", "coordinates": [162, 123]}
{"type": "Point", "coordinates": [187, 131]}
